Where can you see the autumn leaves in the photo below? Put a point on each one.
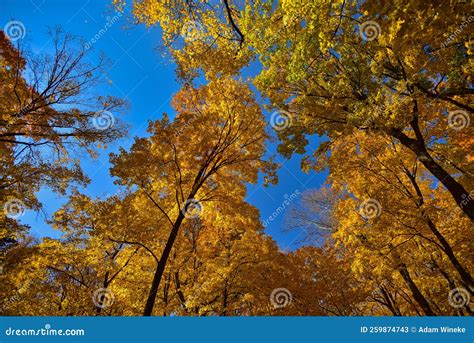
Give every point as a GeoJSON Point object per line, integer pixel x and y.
{"type": "Point", "coordinates": [394, 102]}
{"type": "Point", "coordinates": [206, 165]}
{"type": "Point", "coordinates": [393, 225]}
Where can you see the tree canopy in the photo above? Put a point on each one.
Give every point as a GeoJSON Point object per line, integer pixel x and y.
{"type": "Point", "coordinates": [386, 86]}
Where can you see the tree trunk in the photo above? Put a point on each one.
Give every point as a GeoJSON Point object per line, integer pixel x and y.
{"type": "Point", "coordinates": [458, 192]}
{"type": "Point", "coordinates": [224, 301]}
{"type": "Point", "coordinates": [417, 295]}
{"type": "Point", "coordinates": [99, 307]}
{"type": "Point", "coordinates": [415, 291]}
{"type": "Point", "coordinates": [446, 247]}
{"type": "Point", "coordinates": [150, 302]}
{"type": "Point", "coordinates": [179, 292]}
{"type": "Point", "coordinates": [465, 275]}
{"type": "Point", "coordinates": [390, 302]}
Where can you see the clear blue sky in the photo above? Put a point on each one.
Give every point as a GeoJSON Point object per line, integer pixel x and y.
{"type": "Point", "coordinates": [139, 74]}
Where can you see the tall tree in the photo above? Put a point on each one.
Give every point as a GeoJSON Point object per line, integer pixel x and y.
{"type": "Point", "coordinates": [199, 161]}
{"type": "Point", "coordinates": [340, 66]}
{"type": "Point", "coordinates": [50, 110]}
{"type": "Point", "coordinates": [385, 208]}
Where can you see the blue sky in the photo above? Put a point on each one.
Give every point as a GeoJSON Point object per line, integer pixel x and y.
{"type": "Point", "coordinates": [140, 74]}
